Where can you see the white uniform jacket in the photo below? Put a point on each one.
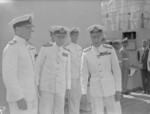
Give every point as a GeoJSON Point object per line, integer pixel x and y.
{"type": "Point", "coordinates": [103, 67]}
{"type": "Point", "coordinates": [53, 68]}
{"type": "Point", "coordinates": [76, 52]}
{"type": "Point", "coordinates": [18, 71]}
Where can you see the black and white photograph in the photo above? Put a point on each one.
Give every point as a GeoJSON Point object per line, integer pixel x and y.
{"type": "Point", "coordinates": [74, 56]}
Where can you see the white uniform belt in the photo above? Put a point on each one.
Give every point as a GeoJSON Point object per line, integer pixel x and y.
{"type": "Point", "coordinates": [98, 76]}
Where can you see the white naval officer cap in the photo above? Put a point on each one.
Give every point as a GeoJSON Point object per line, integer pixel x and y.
{"type": "Point", "coordinates": [95, 28]}
{"type": "Point", "coordinates": [22, 20]}
{"type": "Point", "coordinates": [125, 40]}
{"type": "Point", "coordinates": [116, 41]}
{"type": "Point", "coordinates": [60, 30]}
{"type": "Point", "coordinates": [52, 28]}
{"type": "Point", "coordinates": [74, 30]}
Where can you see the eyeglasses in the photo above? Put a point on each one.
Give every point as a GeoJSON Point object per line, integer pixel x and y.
{"type": "Point", "coordinates": [61, 36]}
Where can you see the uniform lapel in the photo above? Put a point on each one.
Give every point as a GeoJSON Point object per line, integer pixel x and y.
{"type": "Point", "coordinates": [31, 55]}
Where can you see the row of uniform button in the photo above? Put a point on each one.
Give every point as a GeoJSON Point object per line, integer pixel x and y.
{"type": "Point", "coordinates": [98, 59]}
{"type": "Point", "coordinates": [99, 65]}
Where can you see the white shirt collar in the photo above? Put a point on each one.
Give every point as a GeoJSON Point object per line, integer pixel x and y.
{"type": "Point", "coordinates": [96, 48]}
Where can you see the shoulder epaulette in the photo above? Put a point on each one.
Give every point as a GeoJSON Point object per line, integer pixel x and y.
{"type": "Point", "coordinates": [87, 49]}
{"type": "Point", "coordinates": [12, 42]}
{"type": "Point", "coordinates": [48, 45]}
{"type": "Point", "coordinates": [66, 48]}
{"type": "Point", "coordinates": [107, 46]}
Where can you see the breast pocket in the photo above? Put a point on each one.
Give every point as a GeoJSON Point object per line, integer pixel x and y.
{"type": "Point", "coordinates": [62, 62]}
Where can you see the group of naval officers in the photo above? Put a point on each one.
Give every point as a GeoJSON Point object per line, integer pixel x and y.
{"type": "Point", "coordinates": [37, 82]}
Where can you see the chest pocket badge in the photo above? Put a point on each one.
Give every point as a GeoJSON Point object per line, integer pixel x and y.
{"type": "Point", "coordinates": [65, 54]}
{"type": "Point", "coordinates": [64, 57]}
{"type": "Point", "coordinates": [103, 53]}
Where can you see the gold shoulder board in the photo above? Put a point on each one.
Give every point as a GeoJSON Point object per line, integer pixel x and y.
{"type": "Point", "coordinates": [87, 49]}
{"type": "Point", "coordinates": [12, 42]}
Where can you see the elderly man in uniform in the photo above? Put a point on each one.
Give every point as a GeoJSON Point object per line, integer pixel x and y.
{"type": "Point", "coordinates": [74, 94]}
{"type": "Point", "coordinates": [54, 72]}
{"type": "Point", "coordinates": [18, 68]}
{"type": "Point", "coordinates": [125, 65]}
{"type": "Point", "coordinates": [101, 63]}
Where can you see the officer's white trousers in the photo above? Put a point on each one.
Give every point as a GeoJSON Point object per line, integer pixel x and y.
{"type": "Point", "coordinates": [112, 107]}
{"type": "Point", "coordinates": [32, 108]}
{"type": "Point", "coordinates": [51, 103]}
{"type": "Point", "coordinates": [74, 96]}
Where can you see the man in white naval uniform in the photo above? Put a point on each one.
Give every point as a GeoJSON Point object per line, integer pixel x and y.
{"type": "Point", "coordinates": [18, 69]}
{"type": "Point", "coordinates": [74, 95]}
{"type": "Point", "coordinates": [100, 62]}
{"type": "Point", "coordinates": [54, 71]}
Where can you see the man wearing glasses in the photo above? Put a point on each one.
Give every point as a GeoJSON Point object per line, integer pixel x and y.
{"type": "Point", "coordinates": [18, 68]}
{"type": "Point", "coordinates": [54, 72]}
